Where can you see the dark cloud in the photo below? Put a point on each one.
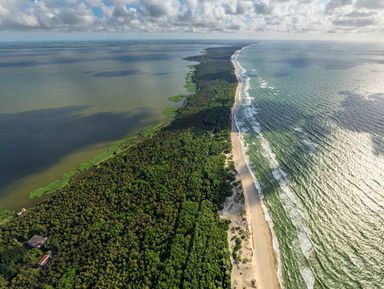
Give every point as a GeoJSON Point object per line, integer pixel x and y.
{"type": "Point", "coordinates": [360, 14]}
{"type": "Point", "coordinates": [157, 9]}
{"type": "Point", "coordinates": [370, 4]}
{"type": "Point", "coordinates": [262, 8]}
{"type": "Point", "coordinates": [354, 22]}
{"type": "Point", "coordinates": [240, 8]}
{"type": "Point", "coordinates": [334, 4]}
{"type": "Point", "coordinates": [300, 1]}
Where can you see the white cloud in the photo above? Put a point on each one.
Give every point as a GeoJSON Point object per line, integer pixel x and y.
{"type": "Point", "coordinates": [248, 16]}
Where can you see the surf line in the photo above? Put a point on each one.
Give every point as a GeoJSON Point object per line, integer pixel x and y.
{"type": "Point", "coordinates": [303, 244]}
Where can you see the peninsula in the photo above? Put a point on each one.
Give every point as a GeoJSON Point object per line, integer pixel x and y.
{"type": "Point", "coordinates": [147, 217]}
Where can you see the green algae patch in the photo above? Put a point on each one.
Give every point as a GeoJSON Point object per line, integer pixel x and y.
{"type": "Point", "coordinates": [177, 98]}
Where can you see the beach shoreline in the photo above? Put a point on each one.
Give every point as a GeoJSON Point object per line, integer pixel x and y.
{"type": "Point", "coordinates": [262, 270]}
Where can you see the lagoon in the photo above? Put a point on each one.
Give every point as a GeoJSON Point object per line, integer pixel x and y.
{"type": "Point", "coordinates": [62, 103]}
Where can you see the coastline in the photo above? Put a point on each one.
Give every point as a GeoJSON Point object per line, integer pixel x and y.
{"type": "Point", "coordinates": [35, 196]}
{"type": "Point", "coordinates": [131, 195]}
{"type": "Point", "coordinates": [263, 265]}
{"type": "Point", "coordinates": [42, 189]}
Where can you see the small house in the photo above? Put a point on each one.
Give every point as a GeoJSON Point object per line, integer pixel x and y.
{"type": "Point", "coordinates": [37, 241]}
{"type": "Point", "coordinates": [21, 212]}
{"type": "Point", "coordinates": [44, 260]}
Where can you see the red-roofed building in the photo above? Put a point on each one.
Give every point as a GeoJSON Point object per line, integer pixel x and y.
{"type": "Point", "coordinates": [44, 260]}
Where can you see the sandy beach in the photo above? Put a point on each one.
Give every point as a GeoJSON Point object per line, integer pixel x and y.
{"type": "Point", "coordinates": [258, 269]}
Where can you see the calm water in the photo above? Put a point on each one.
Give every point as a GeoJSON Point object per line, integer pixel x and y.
{"type": "Point", "coordinates": [312, 119]}
{"type": "Point", "coordinates": [62, 103]}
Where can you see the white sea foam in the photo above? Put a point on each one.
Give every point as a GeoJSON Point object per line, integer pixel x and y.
{"type": "Point", "coordinates": [243, 78]}
{"type": "Point", "coordinates": [264, 84]}
{"type": "Point", "coordinates": [305, 138]}
{"type": "Point", "coordinates": [292, 206]}
{"type": "Point", "coordinates": [290, 202]}
{"type": "Point", "coordinates": [268, 218]}
{"type": "Point", "coordinates": [239, 125]}
{"type": "Point", "coordinates": [308, 276]}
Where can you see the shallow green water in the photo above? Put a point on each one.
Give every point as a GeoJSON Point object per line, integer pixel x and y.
{"type": "Point", "coordinates": [64, 102]}
{"type": "Point", "coordinates": [313, 123]}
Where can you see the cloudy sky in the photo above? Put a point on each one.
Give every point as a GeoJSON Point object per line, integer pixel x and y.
{"type": "Point", "coordinates": [247, 18]}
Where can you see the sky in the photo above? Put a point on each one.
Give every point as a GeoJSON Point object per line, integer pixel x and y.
{"type": "Point", "coordinates": [302, 19]}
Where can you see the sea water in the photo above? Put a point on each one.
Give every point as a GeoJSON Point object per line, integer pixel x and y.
{"type": "Point", "coordinates": [312, 122]}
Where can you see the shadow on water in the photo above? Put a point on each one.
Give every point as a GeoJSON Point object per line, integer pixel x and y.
{"type": "Point", "coordinates": [35, 140]}
{"type": "Point", "coordinates": [364, 114]}
{"type": "Point", "coordinates": [281, 74]}
{"type": "Point", "coordinates": [285, 123]}
{"type": "Point", "coordinates": [294, 136]}
{"type": "Point", "coordinates": [330, 63]}
{"type": "Point", "coordinates": [72, 60]}
{"type": "Point", "coordinates": [327, 55]}
{"type": "Point", "coordinates": [272, 112]}
{"type": "Point", "coordinates": [116, 73]}
{"type": "Point", "coordinates": [160, 73]}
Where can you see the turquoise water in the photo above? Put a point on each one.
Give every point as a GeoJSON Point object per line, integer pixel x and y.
{"type": "Point", "coordinates": [64, 102]}
{"type": "Point", "coordinates": [312, 120]}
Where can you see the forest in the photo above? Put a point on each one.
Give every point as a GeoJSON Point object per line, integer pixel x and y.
{"type": "Point", "coordinates": [146, 217]}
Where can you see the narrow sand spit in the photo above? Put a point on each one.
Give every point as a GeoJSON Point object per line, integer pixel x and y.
{"type": "Point", "coordinates": [255, 265]}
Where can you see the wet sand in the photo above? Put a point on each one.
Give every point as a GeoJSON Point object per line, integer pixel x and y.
{"type": "Point", "coordinates": [261, 272]}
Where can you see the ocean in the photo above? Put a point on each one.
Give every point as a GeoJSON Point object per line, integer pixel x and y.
{"type": "Point", "coordinates": [312, 124]}
{"type": "Point", "coordinates": [64, 102]}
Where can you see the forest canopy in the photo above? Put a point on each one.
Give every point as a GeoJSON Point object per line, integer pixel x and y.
{"type": "Point", "coordinates": [148, 216]}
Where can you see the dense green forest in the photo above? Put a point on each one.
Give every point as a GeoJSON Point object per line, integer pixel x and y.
{"type": "Point", "coordinates": [148, 216]}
